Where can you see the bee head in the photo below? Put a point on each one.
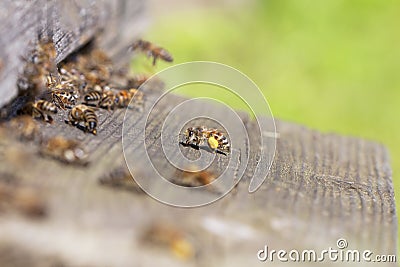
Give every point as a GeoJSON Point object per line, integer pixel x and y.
{"type": "Point", "coordinates": [137, 44]}
{"type": "Point", "coordinates": [190, 133]}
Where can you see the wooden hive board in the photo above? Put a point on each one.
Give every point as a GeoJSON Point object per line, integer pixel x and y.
{"type": "Point", "coordinates": [321, 187]}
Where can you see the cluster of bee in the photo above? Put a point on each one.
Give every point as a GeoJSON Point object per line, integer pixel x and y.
{"type": "Point", "coordinates": [83, 84]}
{"type": "Point", "coordinates": [80, 86]}
{"type": "Point", "coordinates": [215, 139]}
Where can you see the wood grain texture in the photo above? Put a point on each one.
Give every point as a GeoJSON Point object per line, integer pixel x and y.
{"type": "Point", "coordinates": [321, 187]}
{"type": "Point", "coordinates": [69, 23]}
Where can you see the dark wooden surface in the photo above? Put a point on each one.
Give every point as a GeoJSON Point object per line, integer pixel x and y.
{"type": "Point", "coordinates": [70, 24]}
{"type": "Point", "coordinates": [321, 187]}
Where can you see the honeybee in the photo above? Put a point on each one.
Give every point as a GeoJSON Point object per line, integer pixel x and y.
{"type": "Point", "coordinates": [104, 99]}
{"type": "Point", "coordinates": [171, 237]}
{"type": "Point", "coordinates": [65, 150]}
{"type": "Point", "coordinates": [42, 109]}
{"type": "Point", "coordinates": [120, 177]}
{"type": "Point", "coordinates": [83, 113]}
{"type": "Point", "coordinates": [123, 97]}
{"type": "Point", "coordinates": [64, 99]}
{"type": "Point", "coordinates": [152, 50]}
{"type": "Point", "coordinates": [25, 127]}
{"type": "Point", "coordinates": [216, 140]}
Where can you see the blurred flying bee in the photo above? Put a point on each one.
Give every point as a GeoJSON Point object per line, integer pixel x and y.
{"type": "Point", "coordinates": [25, 127]}
{"type": "Point", "coordinates": [40, 109]}
{"type": "Point", "coordinates": [216, 140]}
{"type": "Point", "coordinates": [64, 150]}
{"type": "Point", "coordinates": [100, 99]}
{"type": "Point", "coordinates": [120, 177]}
{"type": "Point", "coordinates": [151, 50]}
{"type": "Point", "coordinates": [170, 237]}
{"type": "Point", "coordinates": [83, 113]}
{"type": "Point", "coordinates": [194, 178]}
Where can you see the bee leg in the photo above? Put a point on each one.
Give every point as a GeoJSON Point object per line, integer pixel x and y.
{"type": "Point", "coordinates": [49, 119]}
{"type": "Point", "coordinates": [220, 152]}
{"type": "Point", "coordinates": [36, 113]}
{"type": "Point", "coordinates": [154, 60]}
{"type": "Point", "coordinates": [71, 122]}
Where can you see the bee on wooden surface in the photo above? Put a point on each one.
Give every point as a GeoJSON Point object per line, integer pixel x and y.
{"type": "Point", "coordinates": [41, 109]}
{"type": "Point", "coordinates": [64, 98]}
{"type": "Point", "coordinates": [172, 238]}
{"type": "Point", "coordinates": [194, 135]}
{"type": "Point", "coordinates": [52, 81]}
{"type": "Point", "coordinates": [104, 99]}
{"type": "Point", "coordinates": [83, 113]}
{"type": "Point", "coordinates": [123, 97]}
{"type": "Point", "coordinates": [215, 139]}
{"type": "Point", "coordinates": [107, 101]}
{"type": "Point", "coordinates": [65, 150]}
{"type": "Point", "coordinates": [120, 177]}
{"type": "Point", "coordinates": [152, 50]}
{"type": "Point", "coordinates": [93, 97]}
{"type": "Point", "coordinates": [25, 126]}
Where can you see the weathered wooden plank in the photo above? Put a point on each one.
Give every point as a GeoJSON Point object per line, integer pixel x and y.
{"type": "Point", "coordinates": [69, 23]}
{"type": "Point", "coordinates": [321, 187]}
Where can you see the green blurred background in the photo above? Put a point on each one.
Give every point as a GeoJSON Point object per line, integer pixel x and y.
{"type": "Point", "coordinates": [332, 65]}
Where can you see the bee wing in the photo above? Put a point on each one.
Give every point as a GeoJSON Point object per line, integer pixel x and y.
{"type": "Point", "coordinates": [58, 101]}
